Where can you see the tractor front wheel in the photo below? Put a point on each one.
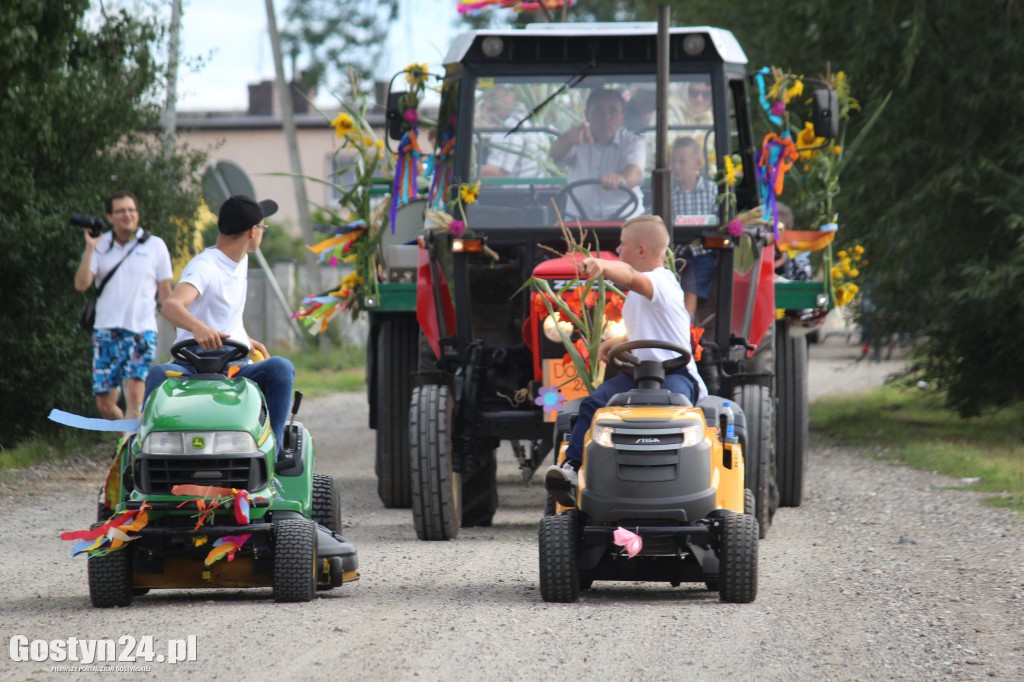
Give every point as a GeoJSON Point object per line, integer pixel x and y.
{"type": "Point", "coordinates": [436, 488]}
{"type": "Point", "coordinates": [791, 431]}
{"type": "Point", "coordinates": [396, 359]}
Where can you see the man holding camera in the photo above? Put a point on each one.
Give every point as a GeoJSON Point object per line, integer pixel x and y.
{"type": "Point", "coordinates": [134, 269]}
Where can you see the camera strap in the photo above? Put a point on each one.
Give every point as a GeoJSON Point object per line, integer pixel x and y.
{"type": "Point", "coordinates": [144, 237]}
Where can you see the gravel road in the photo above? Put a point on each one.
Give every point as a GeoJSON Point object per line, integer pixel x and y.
{"type": "Point", "coordinates": [884, 573]}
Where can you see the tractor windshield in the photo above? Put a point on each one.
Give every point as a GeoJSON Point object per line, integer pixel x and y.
{"type": "Point", "coordinates": [537, 144]}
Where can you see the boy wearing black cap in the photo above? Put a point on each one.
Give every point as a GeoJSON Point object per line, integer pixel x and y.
{"type": "Point", "coordinates": [208, 302]}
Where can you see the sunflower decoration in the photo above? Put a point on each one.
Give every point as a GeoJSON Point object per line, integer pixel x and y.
{"type": "Point", "coordinates": [844, 271]}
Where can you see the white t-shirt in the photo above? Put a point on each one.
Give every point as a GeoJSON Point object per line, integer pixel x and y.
{"type": "Point", "coordinates": [222, 285]}
{"type": "Point", "coordinates": [591, 161]}
{"type": "Point", "coordinates": [129, 297]}
{"type": "Point", "coordinates": [662, 317]}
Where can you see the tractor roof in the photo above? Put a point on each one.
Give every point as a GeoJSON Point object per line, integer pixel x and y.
{"type": "Point", "coordinates": [719, 44]}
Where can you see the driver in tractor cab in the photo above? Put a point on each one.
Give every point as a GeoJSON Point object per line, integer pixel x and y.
{"type": "Point", "coordinates": [603, 150]}
{"type": "Point", "coordinates": [654, 310]}
{"type": "Point", "coordinates": [208, 302]}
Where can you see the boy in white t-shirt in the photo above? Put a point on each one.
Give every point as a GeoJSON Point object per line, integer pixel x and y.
{"type": "Point", "coordinates": [654, 309]}
{"type": "Point", "coordinates": [208, 303]}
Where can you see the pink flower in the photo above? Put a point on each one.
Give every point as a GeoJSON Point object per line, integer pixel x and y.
{"type": "Point", "coordinates": [457, 228]}
{"type": "Point", "coordinates": [735, 227]}
{"type": "Point", "coordinates": [550, 398]}
{"type": "Point", "coordinates": [778, 107]}
{"type": "Point", "coordinates": [411, 116]}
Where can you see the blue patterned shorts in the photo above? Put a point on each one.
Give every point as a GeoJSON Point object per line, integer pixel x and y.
{"type": "Point", "coordinates": [119, 354]}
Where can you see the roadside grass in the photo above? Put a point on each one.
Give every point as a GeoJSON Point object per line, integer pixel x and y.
{"type": "Point", "coordinates": [340, 370]}
{"type": "Point", "coordinates": [913, 427]}
{"type": "Point", "coordinates": [52, 446]}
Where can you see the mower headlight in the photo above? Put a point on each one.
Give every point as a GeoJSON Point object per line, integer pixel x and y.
{"type": "Point", "coordinates": [163, 443]}
{"type": "Point", "coordinates": [602, 435]}
{"type": "Point", "coordinates": [692, 434]}
{"type": "Point", "coordinates": [199, 443]}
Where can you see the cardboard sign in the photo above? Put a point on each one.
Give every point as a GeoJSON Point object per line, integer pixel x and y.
{"type": "Point", "coordinates": [557, 374]}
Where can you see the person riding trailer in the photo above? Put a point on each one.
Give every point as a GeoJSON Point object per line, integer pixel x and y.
{"type": "Point", "coordinates": [654, 309]}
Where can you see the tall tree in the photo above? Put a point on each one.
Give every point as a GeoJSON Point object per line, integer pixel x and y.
{"type": "Point", "coordinates": [330, 36]}
{"type": "Point", "coordinates": [80, 107]}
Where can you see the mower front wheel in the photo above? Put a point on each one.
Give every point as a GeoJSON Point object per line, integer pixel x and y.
{"type": "Point", "coordinates": [110, 579]}
{"type": "Point", "coordinates": [737, 567]}
{"type": "Point", "coordinates": [294, 560]}
{"type": "Point", "coordinates": [559, 563]}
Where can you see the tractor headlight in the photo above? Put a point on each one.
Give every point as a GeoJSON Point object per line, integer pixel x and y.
{"type": "Point", "coordinates": [613, 330]}
{"type": "Point", "coordinates": [551, 327]}
{"type": "Point", "coordinates": [199, 443]}
{"type": "Point", "coordinates": [602, 435]}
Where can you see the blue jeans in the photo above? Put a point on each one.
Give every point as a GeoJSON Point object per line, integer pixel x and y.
{"type": "Point", "coordinates": [679, 381]}
{"type": "Point", "coordinates": [275, 376]}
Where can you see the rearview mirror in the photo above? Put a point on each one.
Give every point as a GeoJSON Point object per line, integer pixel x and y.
{"type": "Point", "coordinates": [394, 115]}
{"type": "Point", "coordinates": [826, 114]}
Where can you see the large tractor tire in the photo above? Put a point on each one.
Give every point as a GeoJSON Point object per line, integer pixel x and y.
{"type": "Point", "coordinates": [326, 502]}
{"type": "Point", "coordinates": [792, 420]}
{"type": "Point", "coordinates": [397, 357]}
{"type": "Point", "coordinates": [294, 577]}
{"type": "Point", "coordinates": [559, 560]}
{"type": "Point", "coordinates": [737, 568]}
{"type": "Point", "coordinates": [758, 443]}
{"type": "Point", "coordinates": [436, 489]}
{"type": "Point", "coordinates": [480, 492]}
{"type": "Point", "coordinates": [110, 579]}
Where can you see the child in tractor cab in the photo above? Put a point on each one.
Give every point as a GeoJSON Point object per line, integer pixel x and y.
{"type": "Point", "coordinates": [654, 310]}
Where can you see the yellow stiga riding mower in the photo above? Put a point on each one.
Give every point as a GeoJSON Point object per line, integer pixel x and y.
{"type": "Point", "coordinates": [659, 494]}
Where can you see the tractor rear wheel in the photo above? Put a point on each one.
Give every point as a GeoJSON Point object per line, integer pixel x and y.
{"type": "Point", "coordinates": [397, 357]}
{"type": "Point", "coordinates": [294, 577]}
{"type": "Point", "coordinates": [758, 444]}
{"type": "Point", "coordinates": [436, 489]}
{"type": "Point", "coordinates": [791, 431]}
{"type": "Point", "coordinates": [559, 563]}
{"type": "Point", "coordinates": [737, 567]}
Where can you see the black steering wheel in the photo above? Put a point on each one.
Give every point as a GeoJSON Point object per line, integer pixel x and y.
{"type": "Point", "coordinates": [209, 361]}
{"type": "Point", "coordinates": [621, 356]}
{"type": "Point", "coordinates": [628, 205]}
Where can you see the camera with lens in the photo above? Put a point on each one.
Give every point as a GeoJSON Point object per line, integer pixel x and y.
{"type": "Point", "coordinates": [92, 223]}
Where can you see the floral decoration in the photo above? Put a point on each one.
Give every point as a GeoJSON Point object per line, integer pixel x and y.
{"type": "Point", "coordinates": [550, 398]}
{"type": "Point", "coordinates": [582, 312]}
{"type": "Point", "coordinates": [844, 271]}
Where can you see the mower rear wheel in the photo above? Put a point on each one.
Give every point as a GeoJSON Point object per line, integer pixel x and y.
{"type": "Point", "coordinates": [326, 502]}
{"type": "Point", "coordinates": [737, 567]}
{"type": "Point", "coordinates": [559, 562]}
{"type": "Point", "coordinates": [792, 420]}
{"type": "Point", "coordinates": [480, 493]}
{"type": "Point", "coordinates": [749, 502]}
{"type": "Point", "coordinates": [758, 444]}
{"type": "Point", "coordinates": [294, 560]}
{"type": "Point", "coordinates": [397, 357]}
{"type": "Point", "coordinates": [436, 488]}
{"type": "Point", "coordinates": [110, 579]}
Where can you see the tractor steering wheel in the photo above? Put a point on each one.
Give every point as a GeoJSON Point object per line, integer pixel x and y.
{"type": "Point", "coordinates": [628, 205]}
{"type": "Point", "coordinates": [209, 361]}
{"type": "Point", "coordinates": [621, 356]}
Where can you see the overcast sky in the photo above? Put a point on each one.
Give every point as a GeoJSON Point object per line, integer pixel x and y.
{"type": "Point", "coordinates": [230, 37]}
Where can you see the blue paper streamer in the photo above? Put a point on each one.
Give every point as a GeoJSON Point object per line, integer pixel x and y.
{"type": "Point", "coordinates": [92, 424]}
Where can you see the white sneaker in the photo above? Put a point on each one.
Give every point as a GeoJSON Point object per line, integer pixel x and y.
{"type": "Point", "coordinates": [560, 481]}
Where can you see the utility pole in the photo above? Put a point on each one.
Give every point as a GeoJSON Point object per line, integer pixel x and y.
{"type": "Point", "coordinates": [169, 116]}
{"type": "Point", "coordinates": [288, 119]}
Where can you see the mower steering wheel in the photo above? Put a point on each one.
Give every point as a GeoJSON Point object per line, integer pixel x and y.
{"type": "Point", "coordinates": [209, 360]}
{"type": "Point", "coordinates": [569, 191]}
{"type": "Point", "coordinates": [622, 357]}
